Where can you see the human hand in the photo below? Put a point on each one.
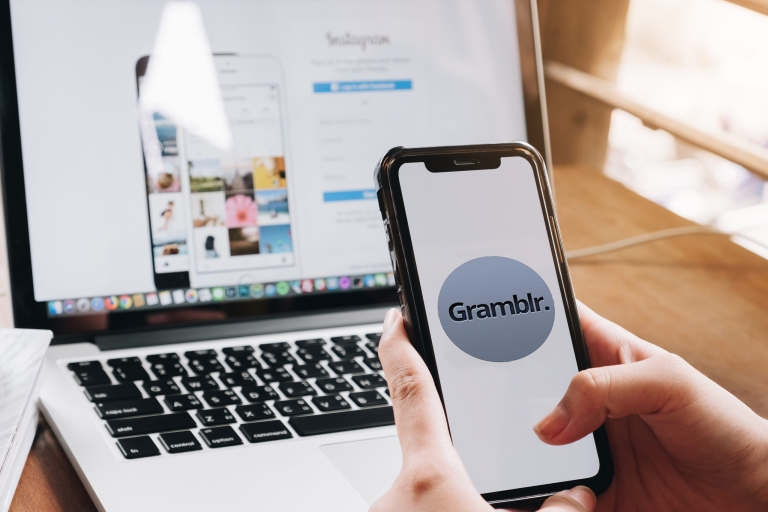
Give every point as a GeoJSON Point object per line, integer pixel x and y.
{"type": "Point", "coordinates": [679, 441]}
{"type": "Point", "coordinates": [433, 477]}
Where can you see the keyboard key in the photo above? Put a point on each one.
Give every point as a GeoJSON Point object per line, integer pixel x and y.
{"type": "Point", "coordinates": [343, 340]}
{"type": "Point", "coordinates": [373, 363]}
{"type": "Point", "coordinates": [330, 403]}
{"type": "Point", "coordinates": [274, 347]}
{"type": "Point", "coordinates": [205, 366]}
{"type": "Point", "coordinates": [374, 337]}
{"type": "Point", "coordinates": [256, 394]}
{"type": "Point", "coordinates": [170, 357]}
{"type": "Point", "coordinates": [150, 424]}
{"type": "Point", "coordinates": [293, 407]}
{"type": "Point", "coordinates": [138, 447]}
{"type": "Point", "coordinates": [179, 442]}
{"type": "Point", "coordinates": [265, 431]}
{"type": "Point", "coordinates": [238, 352]}
{"type": "Point", "coordinates": [161, 387]}
{"type": "Point", "coordinates": [347, 351]}
{"type": "Point", "coordinates": [308, 371]}
{"type": "Point", "coordinates": [201, 383]}
{"type": "Point", "coordinates": [216, 398]}
{"type": "Point", "coordinates": [203, 361]}
{"type": "Point", "coordinates": [344, 367]}
{"type": "Point", "coordinates": [369, 381]}
{"type": "Point", "coordinates": [85, 365]}
{"type": "Point", "coordinates": [131, 372]}
{"type": "Point", "coordinates": [213, 417]}
{"type": "Point", "coordinates": [197, 354]}
{"type": "Point", "coordinates": [220, 437]}
{"type": "Point", "coordinates": [367, 398]}
{"type": "Point", "coordinates": [242, 363]}
{"type": "Point", "coordinates": [342, 421]}
{"type": "Point", "coordinates": [254, 412]}
{"type": "Point", "coordinates": [169, 369]}
{"type": "Point", "coordinates": [275, 359]}
{"type": "Point", "coordinates": [373, 347]}
{"type": "Point", "coordinates": [95, 377]}
{"type": "Point", "coordinates": [116, 392]}
{"type": "Point", "coordinates": [334, 385]}
{"type": "Point", "coordinates": [274, 375]}
{"type": "Point", "coordinates": [127, 408]}
{"type": "Point", "coordinates": [313, 355]}
{"type": "Point", "coordinates": [297, 389]}
{"type": "Point", "coordinates": [183, 402]}
{"type": "Point", "coordinates": [242, 378]}
{"type": "Point", "coordinates": [124, 361]}
{"type": "Point", "coordinates": [314, 342]}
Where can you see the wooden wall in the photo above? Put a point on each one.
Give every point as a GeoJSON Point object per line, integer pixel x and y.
{"type": "Point", "coordinates": [587, 35]}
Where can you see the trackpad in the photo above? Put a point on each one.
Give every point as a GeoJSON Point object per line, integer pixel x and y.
{"type": "Point", "coordinates": [370, 466]}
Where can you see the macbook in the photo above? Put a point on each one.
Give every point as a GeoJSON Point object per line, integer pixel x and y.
{"type": "Point", "coordinates": [190, 209]}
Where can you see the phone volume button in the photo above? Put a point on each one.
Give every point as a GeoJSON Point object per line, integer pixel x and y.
{"type": "Point", "coordinates": [388, 232]}
{"type": "Point", "coordinates": [380, 197]}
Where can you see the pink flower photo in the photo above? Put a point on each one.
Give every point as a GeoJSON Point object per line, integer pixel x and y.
{"type": "Point", "coordinates": [241, 211]}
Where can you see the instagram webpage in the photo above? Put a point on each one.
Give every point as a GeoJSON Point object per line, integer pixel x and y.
{"type": "Point", "coordinates": [294, 199]}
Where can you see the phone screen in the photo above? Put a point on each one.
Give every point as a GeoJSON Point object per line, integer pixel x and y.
{"type": "Point", "coordinates": [240, 218]}
{"type": "Point", "coordinates": [220, 216]}
{"type": "Point", "coordinates": [496, 317]}
{"type": "Point", "coordinates": [165, 198]}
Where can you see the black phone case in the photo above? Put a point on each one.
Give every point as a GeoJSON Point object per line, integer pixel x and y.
{"type": "Point", "coordinates": [440, 159]}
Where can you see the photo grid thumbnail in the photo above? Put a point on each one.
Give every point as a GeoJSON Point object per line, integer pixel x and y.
{"type": "Point", "coordinates": [239, 206]}
{"type": "Point", "coordinates": [167, 216]}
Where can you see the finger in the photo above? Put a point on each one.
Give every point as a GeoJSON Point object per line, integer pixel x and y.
{"type": "Point", "coordinates": [609, 343]}
{"type": "Point", "coordinates": [618, 391]}
{"type": "Point", "coordinates": [419, 415]}
{"type": "Point", "coordinates": [578, 499]}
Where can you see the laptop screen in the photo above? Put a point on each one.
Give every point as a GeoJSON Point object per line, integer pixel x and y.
{"type": "Point", "coordinates": [221, 152]}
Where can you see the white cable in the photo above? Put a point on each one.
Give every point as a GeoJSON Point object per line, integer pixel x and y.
{"type": "Point", "coordinates": [652, 237]}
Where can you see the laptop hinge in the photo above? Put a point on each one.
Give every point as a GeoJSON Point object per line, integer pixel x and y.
{"type": "Point", "coordinates": [237, 329]}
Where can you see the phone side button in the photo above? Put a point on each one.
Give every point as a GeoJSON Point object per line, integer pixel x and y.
{"type": "Point", "coordinates": [380, 197]}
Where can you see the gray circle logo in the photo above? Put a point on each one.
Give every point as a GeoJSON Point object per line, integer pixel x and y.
{"type": "Point", "coordinates": [496, 309]}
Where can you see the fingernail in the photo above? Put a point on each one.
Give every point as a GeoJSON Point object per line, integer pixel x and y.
{"type": "Point", "coordinates": [583, 495]}
{"type": "Point", "coordinates": [553, 423]}
{"type": "Point", "coordinates": [389, 320]}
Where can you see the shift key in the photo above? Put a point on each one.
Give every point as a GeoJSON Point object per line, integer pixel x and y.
{"type": "Point", "coordinates": [150, 424]}
{"type": "Point", "coordinates": [114, 392]}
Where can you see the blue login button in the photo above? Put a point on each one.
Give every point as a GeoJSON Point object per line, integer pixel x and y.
{"type": "Point", "coordinates": [363, 86]}
{"type": "Point", "coordinates": [348, 195]}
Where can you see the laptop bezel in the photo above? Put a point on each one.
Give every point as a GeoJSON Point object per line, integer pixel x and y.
{"type": "Point", "coordinates": [28, 313]}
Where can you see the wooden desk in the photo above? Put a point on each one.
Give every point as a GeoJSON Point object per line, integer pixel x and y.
{"type": "Point", "coordinates": [702, 297]}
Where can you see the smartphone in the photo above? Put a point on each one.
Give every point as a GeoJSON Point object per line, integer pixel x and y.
{"type": "Point", "coordinates": [166, 201]}
{"type": "Point", "coordinates": [219, 218]}
{"type": "Point", "coordinates": [241, 209]}
{"type": "Point", "coordinates": [487, 301]}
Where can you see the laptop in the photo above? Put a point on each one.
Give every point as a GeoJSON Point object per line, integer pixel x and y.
{"type": "Point", "coordinates": [190, 209]}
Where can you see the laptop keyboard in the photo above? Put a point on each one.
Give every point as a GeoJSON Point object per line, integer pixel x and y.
{"type": "Point", "coordinates": [209, 399]}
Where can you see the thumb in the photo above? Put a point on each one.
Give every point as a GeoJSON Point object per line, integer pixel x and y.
{"type": "Point", "coordinates": [661, 383]}
{"type": "Point", "coordinates": [578, 499]}
{"type": "Point", "coordinates": [419, 415]}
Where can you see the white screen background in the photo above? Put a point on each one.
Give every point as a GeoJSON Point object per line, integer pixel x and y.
{"type": "Point", "coordinates": [83, 165]}
{"type": "Point", "coordinates": [455, 217]}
